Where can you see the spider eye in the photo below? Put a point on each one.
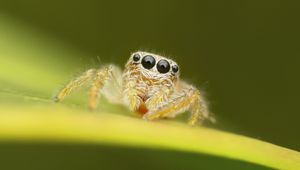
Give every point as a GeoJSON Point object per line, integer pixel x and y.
{"type": "Point", "coordinates": [163, 66]}
{"type": "Point", "coordinates": [175, 68]}
{"type": "Point", "coordinates": [136, 57]}
{"type": "Point", "coordinates": [148, 61]}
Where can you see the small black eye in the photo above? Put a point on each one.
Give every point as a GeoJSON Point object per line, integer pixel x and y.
{"type": "Point", "coordinates": [148, 61]}
{"type": "Point", "coordinates": [163, 66]}
{"type": "Point", "coordinates": [174, 68]}
{"type": "Point", "coordinates": [136, 57]}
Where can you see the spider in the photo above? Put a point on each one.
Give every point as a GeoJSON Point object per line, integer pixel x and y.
{"type": "Point", "coordinates": [149, 85]}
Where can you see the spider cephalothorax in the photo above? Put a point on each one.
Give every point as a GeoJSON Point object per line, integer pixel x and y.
{"type": "Point", "coordinates": [149, 73]}
{"type": "Point", "coordinates": [149, 85]}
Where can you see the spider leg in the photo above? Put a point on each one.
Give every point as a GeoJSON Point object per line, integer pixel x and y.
{"type": "Point", "coordinates": [74, 84]}
{"type": "Point", "coordinates": [101, 76]}
{"type": "Point", "coordinates": [189, 101]}
{"type": "Point", "coordinates": [199, 110]}
{"type": "Point", "coordinates": [158, 98]}
{"type": "Point", "coordinates": [178, 104]}
{"type": "Point", "coordinates": [131, 96]}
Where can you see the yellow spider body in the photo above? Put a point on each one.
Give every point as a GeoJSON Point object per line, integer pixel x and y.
{"type": "Point", "coordinates": [149, 85]}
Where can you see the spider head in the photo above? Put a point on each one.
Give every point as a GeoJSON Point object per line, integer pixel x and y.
{"type": "Point", "coordinates": [153, 66]}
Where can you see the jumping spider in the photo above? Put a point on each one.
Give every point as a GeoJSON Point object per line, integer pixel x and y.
{"type": "Point", "coordinates": [149, 85]}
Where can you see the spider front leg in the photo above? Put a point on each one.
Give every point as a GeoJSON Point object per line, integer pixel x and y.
{"type": "Point", "coordinates": [158, 98]}
{"type": "Point", "coordinates": [189, 101]}
{"type": "Point", "coordinates": [131, 96]}
{"type": "Point", "coordinates": [74, 84]}
{"type": "Point", "coordinates": [199, 110]}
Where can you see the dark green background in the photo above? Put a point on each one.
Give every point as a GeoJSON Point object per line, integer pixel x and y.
{"type": "Point", "coordinates": [244, 54]}
{"type": "Point", "coordinates": [41, 156]}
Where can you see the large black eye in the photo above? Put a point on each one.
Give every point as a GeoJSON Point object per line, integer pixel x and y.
{"type": "Point", "coordinates": [136, 57]}
{"type": "Point", "coordinates": [148, 61]}
{"type": "Point", "coordinates": [163, 66]}
{"type": "Point", "coordinates": [174, 68]}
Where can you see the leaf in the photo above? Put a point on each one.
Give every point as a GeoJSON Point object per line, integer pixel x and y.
{"type": "Point", "coordinates": [29, 75]}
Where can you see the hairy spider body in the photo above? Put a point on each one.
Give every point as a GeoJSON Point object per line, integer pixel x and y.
{"type": "Point", "coordinates": [149, 85]}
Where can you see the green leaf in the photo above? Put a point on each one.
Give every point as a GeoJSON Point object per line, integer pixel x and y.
{"type": "Point", "coordinates": [30, 75]}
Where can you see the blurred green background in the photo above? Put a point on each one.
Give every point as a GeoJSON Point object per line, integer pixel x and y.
{"type": "Point", "coordinates": [78, 156]}
{"type": "Point", "coordinates": [243, 54]}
